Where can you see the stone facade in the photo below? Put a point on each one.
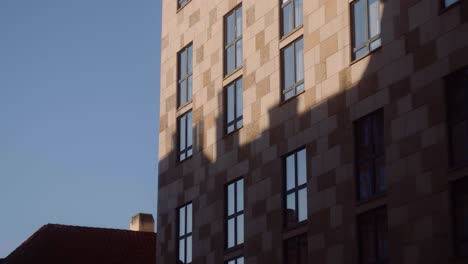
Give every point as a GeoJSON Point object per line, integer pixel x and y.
{"type": "Point", "coordinates": [421, 44]}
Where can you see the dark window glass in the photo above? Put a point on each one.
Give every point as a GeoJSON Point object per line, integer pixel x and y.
{"type": "Point", "coordinates": [185, 136]}
{"type": "Point", "coordinates": [238, 260]}
{"type": "Point", "coordinates": [234, 106]}
{"type": "Point", "coordinates": [460, 210]}
{"type": "Point", "coordinates": [457, 95]}
{"type": "Point", "coordinates": [292, 68]}
{"type": "Point", "coordinates": [296, 250]}
{"type": "Point", "coordinates": [291, 15]}
{"type": "Point", "coordinates": [448, 3]}
{"type": "Point", "coordinates": [185, 76]}
{"type": "Point", "coordinates": [235, 213]}
{"type": "Point", "coordinates": [233, 41]}
{"type": "Point", "coordinates": [370, 158]}
{"type": "Point", "coordinates": [182, 3]}
{"type": "Point", "coordinates": [372, 232]}
{"type": "Point", "coordinates": [366, 26]}
{"type": "Point", "coordinates": [296, 187]}
{"type": "Point", "coordinates": [185, 234]}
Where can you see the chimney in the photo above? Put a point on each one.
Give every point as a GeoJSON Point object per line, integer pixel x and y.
{"type": "Point", "coordinates": [142, 222]}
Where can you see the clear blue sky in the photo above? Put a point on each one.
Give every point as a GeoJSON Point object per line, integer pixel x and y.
{"type": "Point", "coordinates": [79, 107]}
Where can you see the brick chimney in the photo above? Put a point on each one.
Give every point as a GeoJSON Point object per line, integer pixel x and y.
{"type": "Point", "coordinates": [142, 222]}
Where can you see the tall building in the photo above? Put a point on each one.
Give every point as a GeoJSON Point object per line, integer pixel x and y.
{"type": "Point", "coordinates": [331, 131]}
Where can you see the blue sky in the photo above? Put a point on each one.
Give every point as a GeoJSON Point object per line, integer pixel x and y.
{"type": "Point", "coordinates": [79, 113]}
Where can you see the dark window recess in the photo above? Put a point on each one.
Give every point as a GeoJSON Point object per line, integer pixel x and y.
{"type": "Point", "coordinates": [447, 3]}
{"type": "Point", "coordinates": [296, 188]}
{"type": "Point", "coordinates": [457, 98]}
{"type": "Point", "coordinates": [238, 260]}
{"type": "Point", "coordinates": [185, 234]}
{"type": "Point", "coordinates": [235, 214]}
{"type": "Point", "coordinates": [234, 106]}
{"type": "Point", "coordinates": [291, 15]}
{"type": "Point", "coordinates": [370, 160]}
{"type": "Point", "coordinates": [184, 76]}
{"type": "Point", "coordinates": [233, 41]}
{"type": "Point", "coordinates": [460, 211]}
{"type": "Point", "coordinates": [296, 250]}
{"type": "Point", "coordinates": [185, 136]}
{"type": "Point", "coordinates": [373, 239]}
{"type": "Point", "coordinates": [366, 26]}
{"type": "Point", "coordinates": [292, 68]}
{"type": "Point", "coordinates": [182, 3]}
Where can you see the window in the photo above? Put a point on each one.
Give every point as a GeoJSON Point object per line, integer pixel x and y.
{"type": "Point", "coordinates": [291, 15]}
{"type": "Point", "coordinates": [185, 234]}
{"type": "Point", "coordinates": [460, 210]}
{"type": "Point", "coordinates": [457, 96]}
{"type": "Point", "coordinates": [292, 68]}
{"type": "Point", "coordinates": [366, 26]}
{"type": "Point", "coordinates": [448, 3]}
{"type": "Point", "coordinates": [233, 41]}
{"type": "Point", "coordinates": [182, 3]}
{"type": "Point", "coordinates": [185, 136]}
{"type": "Point", "coordinates": [296, 187]}
{"type": "Point", "coordinates": [185, 76]}
{"type": "Point", "coordinates": [239, 260]}
{"type": "Point", "coordinates": [296, 250]}
{"type": "Point", "coordinates": [235, 213]}
{"type": "Point", "coordinates": [234, 106]}
{"type": "Point", "coordinates": [373, 241]}
{"type": "Point", "coordinates": [370, 155]}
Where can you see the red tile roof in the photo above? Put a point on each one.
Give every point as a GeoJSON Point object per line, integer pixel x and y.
{"type": "Point", "coordinates": [54, 243]}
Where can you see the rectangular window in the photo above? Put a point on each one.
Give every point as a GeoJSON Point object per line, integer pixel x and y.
{"type": "Point", "coordinates": [235, 213]}
{"type": "Point", "coordinates": [234, 106]}
{"type": "Point", "coordinates": [296, 250]}
{"type": "Point", "coordinates": [370, 155]}
{"type": "Point", "coordinates": [233, 41]}
{"type": "Point", "coordinates": [448, 3]}
{"type": "Point", "coordinates": [366, 26]}
{"type": "Point", "coordinates": [296, 187]}
{"type": "Point", "coordinates": [239, 260]}
{"type": "Point", "coordinates": [292, 68]}
{"type": "Point", "coordinates": [291, 15]}
{"type": "Point", "coordinates": [185, 136]}
{"type": "Point", "coordinates": [460, 211]}
{"type": "Point", "coordinates": [457, 98]}
{"type": "Point", "coordinates": [373, 240]}
{"type": "Point", "coordinates": [185, 234]}
{"type": "Point", "coordinates": [182, 3]}
{"type": "Point", "coordinates": [184, 76]}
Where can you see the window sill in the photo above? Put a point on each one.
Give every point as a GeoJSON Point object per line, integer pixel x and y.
{"type": "Point", "coordinates": [291, 36]}
{"type": "Point", "coordinates": [366, 55]}
{"type": "Point", "coordinates": [295, 230]}
{"type": "Point", "coordinates": [182, 6]}
{"type": "Point", "coordinates": [184, 108]}
{"type": "Point", "coordinates": [179, 162]}
{"type": "Point", "coordinates": [227, 135]}
{"type": "Point", "coordinates": [283, 102]}
{"type": "Point", "coordinates": [370, 203]}
{"type": "Point", "coordinates": [233, 252]}
{"type": "Point", "coordinates": [232, 76]}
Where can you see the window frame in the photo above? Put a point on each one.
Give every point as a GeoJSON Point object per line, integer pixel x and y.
{"type": "Point", "coordinates": [296, 84]}
{"type": "Point", "coordinates": [235, 215]}
{"type": "Point", "coordinates": [186, 77]}
{"type": "Point", "coordinates": [186, 235]}
{"type": "Point", "coordinates": [235, 259]}
{"type": "Point", "coordinates": [236, 119]}
{"type": "Point", "coordinates": [374, 214]}
{"type": "Point", "coordinates": [236, 39]}
{"type": "Point", "coordinates": [450, 122]}
{"type": "Point", "coordinates": [457, 187]}
{"type": "Point", "coordinates": [445, 7]}
{"type": "Point", "coordinates": [180, 6]}
{"type": "Point", "coordinates": [293, 15]}
{"type": "Point", "coordinates": [179, 130]}
{"type": "Point", "coordinates": [297, 241]}
{"type": "Point", "coordinates": [368, 41]}
{"type": "Point", "coordinates": [294, 190]}
{"type": "Point", "coordinates": [371, 159]}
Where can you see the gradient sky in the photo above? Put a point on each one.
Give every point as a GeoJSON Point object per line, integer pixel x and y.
{"type": "Point", "coordinates": [79, 107]}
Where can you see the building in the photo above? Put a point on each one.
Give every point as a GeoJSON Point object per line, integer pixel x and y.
{"type": "Point", "coordinates": [313, 132]}
{"type": "Point", "coordinates": [54, 243]}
